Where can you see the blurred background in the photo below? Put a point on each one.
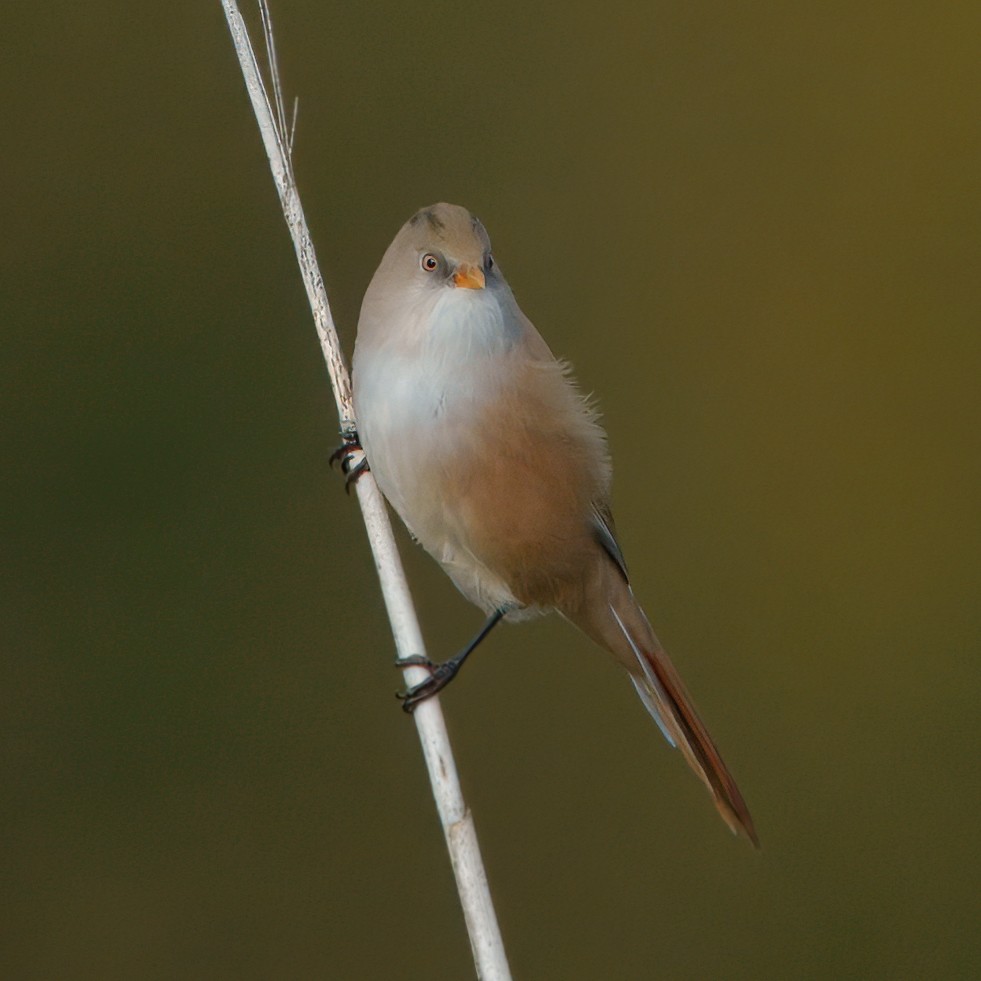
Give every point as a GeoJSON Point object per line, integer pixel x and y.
{"type": "Point", "coordinates": [755, 232]}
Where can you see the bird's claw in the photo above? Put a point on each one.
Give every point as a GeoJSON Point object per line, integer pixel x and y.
{"type": "Point", "coordinates": [440, 675]}
{"type": "Point", "coordinates": [348, 454]}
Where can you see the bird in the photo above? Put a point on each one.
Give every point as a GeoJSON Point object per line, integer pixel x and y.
{"type": "Point", "coordinates": [481, 441]}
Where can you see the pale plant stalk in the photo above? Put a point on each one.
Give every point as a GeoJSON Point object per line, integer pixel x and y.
{"type": "Point", "coordinates": [461, 839]}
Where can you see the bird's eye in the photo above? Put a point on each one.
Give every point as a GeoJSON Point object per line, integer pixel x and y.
{"type": "Point", "coordinates": [429, 262]}
{"type": "Point", "coordinates": [489, 262]}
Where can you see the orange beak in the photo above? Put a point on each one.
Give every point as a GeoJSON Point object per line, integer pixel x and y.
{"type": "Point", "coordinates": [469, 277]}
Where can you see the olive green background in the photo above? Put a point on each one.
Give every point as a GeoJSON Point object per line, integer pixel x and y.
{"type": "Point", "coordinates": [754, 229]}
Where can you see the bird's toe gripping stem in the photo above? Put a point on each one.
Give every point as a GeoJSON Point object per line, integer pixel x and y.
{"type": "Point", "coordinates": [440, 675]}
{"type": "Point", "coordinates": [350, 455]}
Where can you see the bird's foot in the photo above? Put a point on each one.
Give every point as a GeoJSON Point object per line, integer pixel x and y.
{"type": "Point", "coordinates": [351, 456]}
{"type": "Point", "coordinates": [440, 675]}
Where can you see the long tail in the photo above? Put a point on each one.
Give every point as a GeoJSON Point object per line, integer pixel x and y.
{"type": "Point", "coordinates": [624, 630]}
{"type": "Point", "coordinates": [663, 693]}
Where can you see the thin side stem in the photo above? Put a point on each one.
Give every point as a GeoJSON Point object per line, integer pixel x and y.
{"type": "Point", "coordinates": [485, 936]}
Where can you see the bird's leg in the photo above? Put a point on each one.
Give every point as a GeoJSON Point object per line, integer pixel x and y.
{"type": "Point", "coordinates": [348, 453]}
{"type": "Point", "coordinates": [442, 674]}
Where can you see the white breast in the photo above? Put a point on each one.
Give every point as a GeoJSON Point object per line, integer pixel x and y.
{"type": "Point", "coordinates": [418, 399]}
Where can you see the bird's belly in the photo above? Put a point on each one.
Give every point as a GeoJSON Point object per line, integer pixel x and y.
{"type": "Point", "coordinates": [421, 438]}
{"type": "Point", "coordinates": [498, 488]}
